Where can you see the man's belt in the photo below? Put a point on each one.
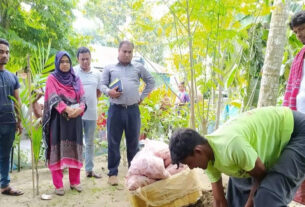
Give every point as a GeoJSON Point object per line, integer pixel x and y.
{"type": "Point", "coordinates": [124, 105]}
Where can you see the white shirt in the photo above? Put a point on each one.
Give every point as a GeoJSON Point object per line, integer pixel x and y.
{"type": "Point", "coordinates": [301, 94]}
{"type": "Point", "coordinates": [91, 82]}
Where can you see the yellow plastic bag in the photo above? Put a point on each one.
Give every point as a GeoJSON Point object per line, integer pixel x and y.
{"type": "Point", "coordinates": [179, 190]}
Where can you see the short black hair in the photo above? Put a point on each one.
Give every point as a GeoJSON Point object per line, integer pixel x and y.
{"type": "Point", "coordinates": [4, 42]}
{"type": "Point", "coordinates": [297, 19]}
{"type": "Point", "coordinates": [182, 144]}
{"type": "Point", "coordinates": [126, 42]}
{"type": "Point", "coordinates": [82, 50]}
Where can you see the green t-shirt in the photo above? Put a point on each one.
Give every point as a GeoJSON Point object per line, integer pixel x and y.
{"type": "Point", "coordinates": [262, 132]}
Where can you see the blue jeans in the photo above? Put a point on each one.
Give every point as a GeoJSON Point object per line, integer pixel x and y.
{"type": "Point", "coordinates": [7, 136]}
{"type": "Point", "coordinates": [89, 129]}
{"type": "Point", "coordinates": [122, 119]}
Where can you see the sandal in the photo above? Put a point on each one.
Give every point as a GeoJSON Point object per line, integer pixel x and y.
{"type": "Point", "coordinates": [11, 192]}
{"type": "Point", "coordinates": [59, 191]}
{"type": "Point", "coordinates": [78, 188]}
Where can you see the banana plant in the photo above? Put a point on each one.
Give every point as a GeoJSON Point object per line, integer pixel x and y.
{"type": "Point", "coordinates": [40, 64]}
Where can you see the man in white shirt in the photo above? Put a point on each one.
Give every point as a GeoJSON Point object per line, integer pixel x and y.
{"type": "Point", "coordinates": [90, 79]}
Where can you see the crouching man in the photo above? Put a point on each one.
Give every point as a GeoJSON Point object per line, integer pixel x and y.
{"type": "Point", "coordinates": [262, 151]}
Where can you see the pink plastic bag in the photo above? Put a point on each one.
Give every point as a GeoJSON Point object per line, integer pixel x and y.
{"type": "Point", "coordinates": [158, 148]}
{"type": "Point", "coordinates": [167, 161]}
{"type": "Point", "coordinates": [147, 164]}
{"type": "Point", "coordinates": [133, 182]}
{"type": "Point", "coordinates": [172, 169]}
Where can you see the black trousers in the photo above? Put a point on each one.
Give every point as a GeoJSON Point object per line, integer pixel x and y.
{"type": "Point", "coordinates": [127, 119]}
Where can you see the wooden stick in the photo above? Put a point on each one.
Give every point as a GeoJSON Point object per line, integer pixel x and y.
{"type": "Point", "coordinates": [28, 72]}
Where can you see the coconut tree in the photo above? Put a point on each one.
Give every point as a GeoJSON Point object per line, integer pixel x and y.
{"type": "Point", "coordinates": [274, 54]}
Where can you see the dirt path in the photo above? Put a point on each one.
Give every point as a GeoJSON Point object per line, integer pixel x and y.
{"type": "Point", "coordinates": [96, 192]}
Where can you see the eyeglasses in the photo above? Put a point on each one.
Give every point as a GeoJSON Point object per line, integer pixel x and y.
{"type": "Point", "coordinates": [64, 61]}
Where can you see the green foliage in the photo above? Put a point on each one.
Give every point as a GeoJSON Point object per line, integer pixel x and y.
{"type": "Point", "coordinates": [36, 137]}
{"type": "Point", "coordinates": [247, 74]}
{"type": "Point", "coordinates": [26, 24]}
{"type": "Point", "coordinates": [128, 19]}
{"type": "Point", "coordinates": [113, 15]}
{"type": "Point", "coordinates": [214, 33]}
{"type": "Point", "coordinates": [40, 66]}
{"type": "Point", "coordinates": [158, 115]}
{"type": "Point", "coordinates": [225, 36]}
{"type": "Point", "coordinates": [227, 39]}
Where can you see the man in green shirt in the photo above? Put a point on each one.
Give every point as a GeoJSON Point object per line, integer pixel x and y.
{"type": "Point", "coordinates": [262, 151]}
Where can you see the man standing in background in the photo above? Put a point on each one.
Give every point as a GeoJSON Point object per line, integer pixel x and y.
{"type": "Point", "coordinates": [123, 113]}
{"type": "Point", "coordinates": [90, 79]}
{"type": "Point", "coordinates": [295, 90]}
{"type": "Point", "coordinates": [9, 86]}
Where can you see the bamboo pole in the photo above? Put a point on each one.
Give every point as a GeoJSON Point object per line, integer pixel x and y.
{"type": "Point", "coordinates": [12, 159]}
{"type": "Point", "coordinates": [19, 156]}
{"type": "Point", "coordinates": [28, 72]}
{"type": "Point", "coordinates": [37, 178]}
{"type": "Point", "coordinates": [219, 103]}
{"type": "Point", "coordinates": [192, 91]}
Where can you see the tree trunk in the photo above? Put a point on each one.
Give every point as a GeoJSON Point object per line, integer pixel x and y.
{"type": "Point", "coordinates": [37, 178]}
{"type": "Point", "coordinates": [219, 103]}
{"type": "Point", "coordinates": [274, 55]}
{"type": "Point", "coordinates": [19, 157]}
{"type": "Point", "coordinates": [192, 91]}
{"type": "Point", "coordinates": [29, 82]}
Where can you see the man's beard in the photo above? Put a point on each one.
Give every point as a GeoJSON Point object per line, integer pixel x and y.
{"type": "Point", "coordinates": [3, 63]}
